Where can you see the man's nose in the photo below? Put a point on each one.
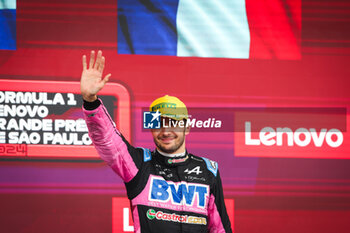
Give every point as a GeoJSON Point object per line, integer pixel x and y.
{"type": "Point", "coordinates": [166, 130]}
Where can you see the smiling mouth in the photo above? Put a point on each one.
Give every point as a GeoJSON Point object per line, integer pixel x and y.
{"type": "Point", "coordinates": [166, 139]}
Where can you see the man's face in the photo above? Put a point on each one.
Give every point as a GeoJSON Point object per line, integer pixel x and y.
{"type": "Point", "coordinates": [170, 138]}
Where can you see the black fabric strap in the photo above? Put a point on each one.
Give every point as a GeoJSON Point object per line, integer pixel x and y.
{"type": "Point", "coordinates": [92, 105]}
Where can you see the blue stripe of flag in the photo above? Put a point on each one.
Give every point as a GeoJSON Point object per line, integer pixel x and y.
{"type": "Point", "coordinates": [8, 29]}
{"type": "Point", "coordinates": [147, 27]}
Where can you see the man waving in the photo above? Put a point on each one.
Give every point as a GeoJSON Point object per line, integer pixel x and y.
{"type": "Point", "coordinates": [170, 189]}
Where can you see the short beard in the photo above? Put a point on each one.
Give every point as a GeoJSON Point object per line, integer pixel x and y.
{"type": "Point", "coordinates": [173, 148]}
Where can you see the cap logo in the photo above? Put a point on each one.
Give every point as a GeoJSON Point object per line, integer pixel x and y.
{"type": "Point", "coordinates": [163, 105]}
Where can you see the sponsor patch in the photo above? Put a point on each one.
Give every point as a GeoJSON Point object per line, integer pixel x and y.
{"type": "Point", "coordinates": [170, 161]}
{"type": "Point", "coordinates": [211, 165]}
{"type": "Point", "coordinates": [181, 193]}
{"type": "Point", "coordinates": [162, 216]}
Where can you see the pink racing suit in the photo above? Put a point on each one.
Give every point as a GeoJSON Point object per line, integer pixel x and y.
{"type": "Point", "coordinates": [182, 194]}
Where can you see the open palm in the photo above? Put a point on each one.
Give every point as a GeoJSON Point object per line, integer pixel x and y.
{"type": "Point", "coordinates": [91, 78]}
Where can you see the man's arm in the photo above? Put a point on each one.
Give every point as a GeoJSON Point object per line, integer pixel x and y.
{"type": "Point", "coordinates": [108, 141]}
{"type": "Point", "coordinates": [219, 221]}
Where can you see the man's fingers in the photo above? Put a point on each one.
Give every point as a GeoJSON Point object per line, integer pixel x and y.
{"type": "Point", "coordinates": [84, 62]}
{"type": "Point", "coordinates": [106, 78]}
{"type": "Point", "coordinates": [98, 60]}
{"type": "Point", "coordinates": [102, 64]}
{"type": "Point", "coordinates": [92, 59]}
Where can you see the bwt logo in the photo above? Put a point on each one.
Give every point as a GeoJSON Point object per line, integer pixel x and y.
{"type": "Point", "coordinates": [178, 193]}
{"type": "Point", "coordinates": [302, 137]}
{"type": "Point", "coordinates": [151, 120]}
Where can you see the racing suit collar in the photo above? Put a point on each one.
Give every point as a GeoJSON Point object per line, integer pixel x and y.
{"type": "Point", "coordinates": [172, 162]}
{"type": "Point", "coordinates": [171, 155]}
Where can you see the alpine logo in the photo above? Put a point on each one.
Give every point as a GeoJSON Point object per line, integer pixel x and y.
{"type": "Point", "coordinates": [178, 193]}
{"type": "Point", "coordinates": [160, 215]}
{"type": "Point", "coordinates": [195, 170]}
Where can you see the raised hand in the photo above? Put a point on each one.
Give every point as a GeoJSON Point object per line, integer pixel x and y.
{"type": "Point", "coordinates": [91, 81]}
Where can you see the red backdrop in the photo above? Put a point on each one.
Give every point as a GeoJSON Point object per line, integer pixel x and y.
{"type": "Point", "coordinates": [271, 194]}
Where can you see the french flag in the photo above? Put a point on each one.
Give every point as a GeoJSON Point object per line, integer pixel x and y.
{"type": "Point", "coordinates": [8, 24]}
{"type": "Point", "coordinates": [244, 29]}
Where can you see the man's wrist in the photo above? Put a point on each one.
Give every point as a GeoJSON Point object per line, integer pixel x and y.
{"type": "Point", "coordinates": [90, 98]}
{"type": "Point", "coordinates": [91, 105]}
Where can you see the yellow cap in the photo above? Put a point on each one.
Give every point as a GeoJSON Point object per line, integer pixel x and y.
{"type": "Point", "coordinates": [170, 106]}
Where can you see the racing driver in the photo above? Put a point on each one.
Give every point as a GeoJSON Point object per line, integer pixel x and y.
{"type": "Point", "coordinates": [170, 190]}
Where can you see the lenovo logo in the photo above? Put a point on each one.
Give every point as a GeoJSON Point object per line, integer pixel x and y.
{"type": "Point", "coordinates": [302, 137]}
